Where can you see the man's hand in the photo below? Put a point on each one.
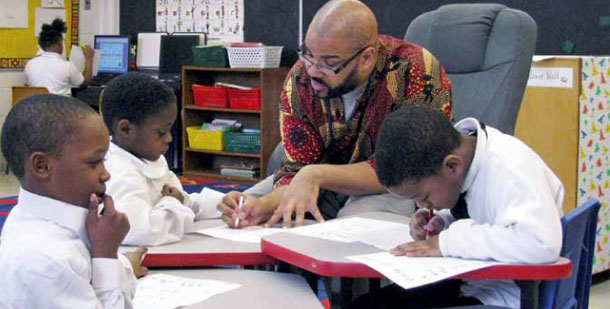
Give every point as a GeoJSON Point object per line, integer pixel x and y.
{"type": "Point", "coordinates": [300, 197]}
{"type": "Point", "coordinates": [173, 192]}
{"type": "Point", "coordinates": [428, 247]}
{"type": "Point", "coordinates": [136, 258]}
{"type": "Point", "coordinates": [251, 212]}
{"type": "Point", "coordinates": [419, 224]}
{"type": "Point", "coordinates": [106, 231]}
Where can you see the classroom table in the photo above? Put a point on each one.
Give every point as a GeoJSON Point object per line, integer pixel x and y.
{"type": "Point", "coordinates": [328, 258]}
{"type": "Point", "coordinates": [260, 289]}
{"type": "Point", "coordinates": [196, 250]}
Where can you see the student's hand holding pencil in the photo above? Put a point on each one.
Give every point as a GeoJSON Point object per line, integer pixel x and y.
{"type": "Point", "coordinates": [424, 225]}
{"type": "Point", "coordinates": [107, 230]}
{"type": "Point", "coordinates": [250, 213]}
{"type": "Point", "coordinates": [428, 247]}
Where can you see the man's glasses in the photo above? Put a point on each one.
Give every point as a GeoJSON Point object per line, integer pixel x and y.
{"type": "Point", "coordinates": [326, 69]}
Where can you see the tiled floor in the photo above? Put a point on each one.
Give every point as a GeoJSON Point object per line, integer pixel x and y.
{"type": "Point", "coordinates": [600, 293]}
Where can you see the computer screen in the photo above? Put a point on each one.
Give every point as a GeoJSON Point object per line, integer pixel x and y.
{"type": "Point", "coordinates": [114, 53]}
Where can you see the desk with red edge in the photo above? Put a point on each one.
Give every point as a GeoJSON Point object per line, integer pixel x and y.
{"type": "Point", "coordinates": [198, 250]}
{"type": "Point", "coordinates": [328, 258]}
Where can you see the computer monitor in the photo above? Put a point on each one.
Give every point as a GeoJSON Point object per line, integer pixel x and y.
{"type": "Point", "coordinates": [114, 53]}
{"type": "Point", "coordinates": [176, 51]}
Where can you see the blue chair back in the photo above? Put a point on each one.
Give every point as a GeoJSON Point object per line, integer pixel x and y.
{"type": "Point", "coordinates": [579, 228]}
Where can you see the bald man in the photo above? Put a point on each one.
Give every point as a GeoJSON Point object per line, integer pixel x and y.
{"type": "Point", "coordinates": [347, 81]}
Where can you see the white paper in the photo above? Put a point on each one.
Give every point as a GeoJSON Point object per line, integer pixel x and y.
{"type": "Point", "coordinates": [222, 20]}
{"type": "Point", "coordinates": [551, 77]}
{"type": "Point", "coordinates": [14, 14]}
{"type": "Point", "coordinates": [337, 230]}
{"type": "Point", "coordinates": [251, 234]}
{"type": "Point", "coordinates": [96, 62]}
{"type": "Point", "coordinates": [161, 291]}
{"type": "Point", "coordinates": [409, 272]}
{"type": "Point", "coordinates": [52, 3]}
{"type": "Point", "coordinates": [77, 56]}
{"type": "Point", "coordinates": [46, 16]}
{"type": "Point", "coordinates": [385, 235]}
{"type": "Point", "coordinates": [149, 49]}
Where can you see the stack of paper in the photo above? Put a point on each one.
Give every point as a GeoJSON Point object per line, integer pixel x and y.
{"type": "Point", "coordinates": [162, 291]}
{"type": "Point", "coordinates": [409, 272]}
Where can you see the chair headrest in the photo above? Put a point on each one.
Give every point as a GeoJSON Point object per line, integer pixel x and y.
{"type": "Point", "coordinates": [462, 27]}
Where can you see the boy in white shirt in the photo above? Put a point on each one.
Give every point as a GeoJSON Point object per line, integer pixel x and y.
{"type": "Point", "coordinates": [139, 112]}
{"type": "Point", "coordinates": [56, 251]}
{"type": "Point", "coordinates": [50, 69]}
{"type": "Point", "coordinates": [492, 196]}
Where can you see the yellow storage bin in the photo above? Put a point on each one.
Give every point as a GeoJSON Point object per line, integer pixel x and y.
{"type": "Point", "coordinates": [205, 139]}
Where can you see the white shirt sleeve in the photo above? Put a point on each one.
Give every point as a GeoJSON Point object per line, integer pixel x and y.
{"type": "Point", "coordinates": [204, 204]}
{"type": "Point", "coordinates": [76, 77]}
{"type": "Point", "coordinates": [151, 223]}
{"type": "Point", "coordinates": [50, 283]}
{"type": "Point", "coordinates": [525, 228]}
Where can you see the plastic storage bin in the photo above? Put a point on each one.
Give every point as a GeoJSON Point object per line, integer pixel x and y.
{"type": "Point", "coordinates": [205, 139]}
{"type": "Point", "coordinates": [210, 96]}
{"type": "Point", "coordinates": [244, 142]}
{"type": "Point", "coordinates": [255, 57]}
{"type": "Point", "coordinates": [245, 99]}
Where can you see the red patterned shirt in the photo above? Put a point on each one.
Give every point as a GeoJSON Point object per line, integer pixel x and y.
{"type": "Point", "coordinates": [406, 74]}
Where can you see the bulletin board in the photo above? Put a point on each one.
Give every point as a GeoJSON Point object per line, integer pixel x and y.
{"type": "Point", "coordinates": [19, 45]}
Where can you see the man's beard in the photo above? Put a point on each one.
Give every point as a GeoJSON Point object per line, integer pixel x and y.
{"type": "Point", "coordinates": [348, 85]}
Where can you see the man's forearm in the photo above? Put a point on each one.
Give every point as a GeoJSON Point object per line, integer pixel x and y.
{"type": "Point", "coordinates": [350, 179]}
{"type": "Point", "coordinates": [272, 200]}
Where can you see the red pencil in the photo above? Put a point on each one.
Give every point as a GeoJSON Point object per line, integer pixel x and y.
{"type": "Point", "coordinates": [428, 229]}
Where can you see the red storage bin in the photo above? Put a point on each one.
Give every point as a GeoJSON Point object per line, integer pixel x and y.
{"type": "Point", "coordinates": [245, 99]}
{"type": "Point", "coordinates": [210, 96]}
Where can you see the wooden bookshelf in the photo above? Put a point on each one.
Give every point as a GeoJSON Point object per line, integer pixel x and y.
{"type": "Point", "coordinates": [202, 163]}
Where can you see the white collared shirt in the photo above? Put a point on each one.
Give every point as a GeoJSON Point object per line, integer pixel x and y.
{"type": "Point", "coordinates": [135, 186]}
{"type": "Point", "coordinates": [45, 260]}
{"type": "Point", "coordinates": [52, 71]}
{"type": "Point", "coordinates": [514, 202]}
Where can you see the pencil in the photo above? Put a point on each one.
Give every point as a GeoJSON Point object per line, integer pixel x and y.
{"type": "Point", "coordinates": [428, 229]}
{"type": "Point", "coordinates": [239, 206]}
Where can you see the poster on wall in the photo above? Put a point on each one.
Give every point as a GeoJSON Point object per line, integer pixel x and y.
{"type": "Point", "coordinates": [13, 14]}
{"type": "Point", "coordinates": [46, 16]}
{"type": "Point", "coordinates": [52, 3]}
{"type": "Point", "coordinates": [222, 20]}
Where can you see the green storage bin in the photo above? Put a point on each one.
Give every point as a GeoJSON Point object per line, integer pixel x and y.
{"type": "Point", "coordinates": [244, 142]}
{"type": "Point", "coordinates": [210, 56]}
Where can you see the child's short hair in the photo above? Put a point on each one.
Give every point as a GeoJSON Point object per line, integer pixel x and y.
{"type": "Point", "coordinates": [412, 144]}
{"type": "Point", "coordinates": [135, 97]}
{"type": "Point", "coordinates": [44, 123]}
{"type": "Point", "coordinates": [51, 33]}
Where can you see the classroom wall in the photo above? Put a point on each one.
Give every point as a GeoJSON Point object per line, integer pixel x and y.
{"type": "Point", "coordinates": [101, 18]}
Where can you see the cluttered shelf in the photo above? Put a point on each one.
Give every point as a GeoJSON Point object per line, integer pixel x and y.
{"type": "Point", "coordinates": [215, 175]}
{"type": "Point", "coordinates": [219, 109]}
{"type": "Point", "coordinates": [225, 153]}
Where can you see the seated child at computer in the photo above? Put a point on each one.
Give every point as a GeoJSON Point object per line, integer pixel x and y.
{"type": "Point", "coordinates": [50, 69]}
{"type": "Point", "coordinates": [56, 250]}
{"type": "Point", "coordinates": [139, 112]}
{"type": "Point", "coordinates": [492, 196]}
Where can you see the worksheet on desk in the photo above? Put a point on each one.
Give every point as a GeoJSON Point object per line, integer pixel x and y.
{"type": "Point", "coordinates": [161, 291]}
{"type": "Point", "coordinates": [251, 234]}
{"type": "Point", "coordinates": [410, 272]}
{"type": "Point", "coordinates": [382, 234]}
